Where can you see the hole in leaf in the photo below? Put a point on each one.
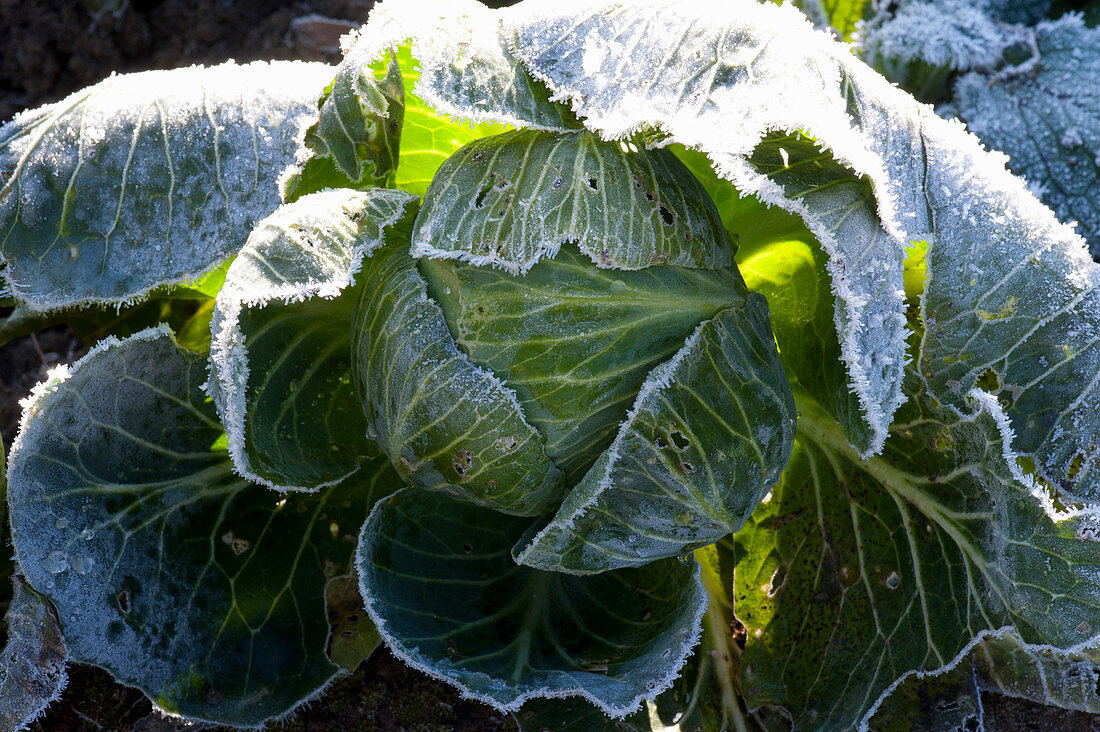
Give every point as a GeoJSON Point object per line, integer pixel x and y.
{"type": "Point", "coordinates": [479, 200]}
{"type": "Point", "coordinates": [593, 184]}
{"type": "Point", "coordinates": [467, 548]}
{"type": "Point", "coordinates": [124, 601]}
{"type": "Point", "coordinates": [679, 440]}
{"type": "Point", "coordinates": [462, 463]}
{"type": "Point", "coordinates": [989, 381]}
{"type": "Point", "coordinates": [558, 182]}
{"type": "Point", "coordinates": [687, 467]}
{"type": "Point", "coordinates": [650, 197]}
{"type": "Point", "coordinates": [668, 218]}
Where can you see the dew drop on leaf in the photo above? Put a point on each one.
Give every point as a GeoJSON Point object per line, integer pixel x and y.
{"type": "Point", "coordinates": [56, 562]}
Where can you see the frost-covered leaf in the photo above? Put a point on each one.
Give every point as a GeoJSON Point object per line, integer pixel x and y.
{"type": "Point", "coordinates": [32, 665]}
{"type": "Point", "coordinates": [909, 558]}
{"type": "Point", "coordinates": [513, 199]}
{"type": "Point", "coordinates": [442, 589]}
{"type": "Point", "coordinates": [354, 142]}
{"type": "Point", "coordinates": [145, 179]}
{"type": "Point", "coordinates": [947, 701]}
{"type": "Point", "coordinates": [428, 137]}
{"type": "Point", "coordinates": [1066, 679]}
{"type": "Point", "coordinates": [467, 67]}
{"type": "Point", "coordinates": [204, 591]}
{"type": "Point", "coordinates": [576, 342]}
{"type": "Point", "coordinates": [952, 34]}
{"type": "Point", "coordinates": [1048, 122]}
{"type": "Point", "coordinates": [446, 423]}
{"type": "Point", "coordinates": [930, 182]}
{"type": "Point", "coordinates": [708, 435]}
{"type": "Point", "coordinates": [282, 373]}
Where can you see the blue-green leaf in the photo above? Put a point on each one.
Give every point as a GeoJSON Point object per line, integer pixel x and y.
{"type": "Point", "coordinates": [1047, 119]}
{"type": "Point", "coordinates": [145, 179]}
{"type": "Point", "coordinates": [203, 590]}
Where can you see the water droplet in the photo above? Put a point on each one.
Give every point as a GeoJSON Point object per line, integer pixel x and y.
{"type": "Point", "coordinates": [87, 534]}
{"type": "Point", "coordinates": [82, 565]}
{"type": "Point", "coordinates": [56, 562]}
{"type": "Point", "coordinates": [893, 581]}
{"type": "Point", "coordinates": [61, 523]}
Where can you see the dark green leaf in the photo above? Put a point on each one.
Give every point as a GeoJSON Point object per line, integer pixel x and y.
{"type": "Point", "coordinates": [442, 589]}
{"type": "Point", "coordinates": [896, 564]}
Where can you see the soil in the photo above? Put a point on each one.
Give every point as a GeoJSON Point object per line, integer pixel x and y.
{"type": "Point", "coordinates": [50, 48]}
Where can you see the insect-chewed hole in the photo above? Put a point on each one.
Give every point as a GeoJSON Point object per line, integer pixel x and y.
{"type": "Point", "coordinates": [650, 196]}
{"type": "Point", "coordinates": [467, 548]}
{"type": "Point", "coordinates": [462, 463]}
{"type": "Point", "coordinates": [989, 381]}
{"type": "Point", "coordinates": [668, 218]}
{"type": "Point", "coordinates": [592, 184]}
{"type": "Point", "coordinates": [124, 601]}
{"type": "Point", "coordinates": [679, 440]}
{"type": "Point", "coordinates": [479, 200]}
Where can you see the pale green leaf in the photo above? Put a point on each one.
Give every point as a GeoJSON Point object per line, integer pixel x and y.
{"type": "Point", "coordinates": [446, 423]}
{"type": "Point", "coordinates": [204, 591]}
{"type": "Point", "coordinates": [145, 179]}
{"type": "Point", "coordinates": [354, 142]}
{"type": "Point", "coordinates": [443, 591]}
{"type": "Point", "coordinates": [708, 435]}
{"type": "Point", "coordinates": [513, 199]}
{"type": "Point", "coordinates": [282, 373]}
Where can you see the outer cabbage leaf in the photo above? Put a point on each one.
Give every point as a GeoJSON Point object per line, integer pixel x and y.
{"type": "Point", "coordinates": [145, 179]}
{"type": "Point", "coordinates": [909, 559]}
{"type": "Point", "coordinates": [467, 67]}
{"type": "Point", "coordinates": [1047, 121]}
{"type": "Point", "coordinates": [32, 666]}
{"type": "Point", "coordinates": [444, 593]}
{"type": "Point", "coordinates": [916, 41]}
{"type": "Point", "coordinates": [282, 373]}
{"type": "Point", "coordinates": [205, 591]}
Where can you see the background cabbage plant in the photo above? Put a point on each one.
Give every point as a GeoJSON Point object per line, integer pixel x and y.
{"type": "Point", "coordinates": [672, 360]}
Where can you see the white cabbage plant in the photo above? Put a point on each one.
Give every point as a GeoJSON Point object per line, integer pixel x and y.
{"type": "Point", "coordinates": [647, 365]}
